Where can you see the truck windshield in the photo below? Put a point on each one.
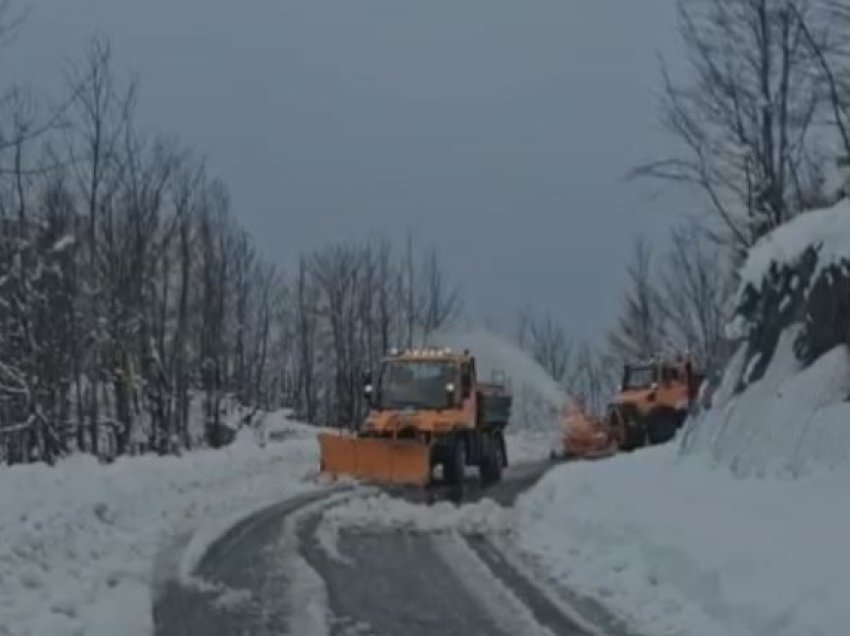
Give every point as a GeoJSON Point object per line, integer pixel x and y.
{"type": "Point", "coordinates": [415, 384]}
{"type": "Point", "coordinates": [639, 378]}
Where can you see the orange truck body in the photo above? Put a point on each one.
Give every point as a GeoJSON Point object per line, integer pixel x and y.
{"type": "Point", "coordinates": [427, 408]}
{"type": "Point", "coordinates": [652, 404]}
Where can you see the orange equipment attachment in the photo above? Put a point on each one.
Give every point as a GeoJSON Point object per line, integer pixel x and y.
{"type": "Point", "coordinates": [652, 403]}
{"type": "Point", "coordinates": [379, 459]}
{"type": "Point", "coordinates": [586, 436]}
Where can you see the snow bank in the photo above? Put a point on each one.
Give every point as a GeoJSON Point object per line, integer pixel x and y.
{"type": "Point", "coordinates": [678, 547]}
{"type": "Point", "coordinates": [826, 230]}
{"type": "Point", "coordinates": [78, 541]}
{"type": "Point", "coordinates": [793, 420]}
{"type": "Point", "coordinates": [381, 512]}
{"type": "Point", "coordinates": [740, 529]}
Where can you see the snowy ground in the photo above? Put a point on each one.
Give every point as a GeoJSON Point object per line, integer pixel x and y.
{"type": "Point", "coordinates": [682, 547]}
{"type": "Point", "coordinates": [79, 542]}
{"type": "Point", "coordinates": [743, 532]}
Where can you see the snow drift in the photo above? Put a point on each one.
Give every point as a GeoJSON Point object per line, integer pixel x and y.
{"type": "Point", "coordinates": [79, 541]}
{"type": "Point", "coordinates": [381, 513]}
{"type": "Point", "coordinates": [675, 546]}
{"type": "Point", "coordinates": [782, 404]}
{"type": "Point", "coordinates": [825, 231]}
{"type": "Point", "coordinates": [793, 421]}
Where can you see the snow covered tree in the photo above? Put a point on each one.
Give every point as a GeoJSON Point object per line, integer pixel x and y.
{"type": "Point", "coordinates": [135, 313]}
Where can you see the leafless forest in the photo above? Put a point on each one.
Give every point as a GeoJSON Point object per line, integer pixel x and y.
{"type": "Point", "coordinates": [758, 115]}
{"type": "Point", "coordinates": [135, 313]}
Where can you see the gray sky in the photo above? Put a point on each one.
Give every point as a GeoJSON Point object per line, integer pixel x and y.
{"type": "Point", "coordinates": [496, 130]}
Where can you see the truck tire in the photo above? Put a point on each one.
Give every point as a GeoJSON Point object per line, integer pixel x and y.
{"type": "Point", "coordinates": [491, 461]}
{"type": "Point", "coordinates": [634, 436]}
{"type": "Point", "coordinates": [661, 428]}
{"type": "Point", "coordinates": [455, 463]}
{"type": "Point", "coordinates": [503, 448]}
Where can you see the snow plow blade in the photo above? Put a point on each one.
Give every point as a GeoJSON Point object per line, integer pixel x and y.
{"type": "Point", "coordinates": [375, 459]}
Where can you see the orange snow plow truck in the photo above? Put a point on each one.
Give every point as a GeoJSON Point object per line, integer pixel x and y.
{"type": "Point", "coordinates": [653, 402]}
{"type": "Point", "coordinates": [427, 407]}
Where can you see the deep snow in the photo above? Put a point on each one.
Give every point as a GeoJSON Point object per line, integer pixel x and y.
{"type": "Point", "coordinates": [826, 230]}
{"type": "Point", "coordinates": [79, 542]}
{"type": "Point", "coordinates": [677, 546]}
{"type": "Point", "coordinates": [740, 526]}
{"type": "Point", "coordinates": [793, 421]}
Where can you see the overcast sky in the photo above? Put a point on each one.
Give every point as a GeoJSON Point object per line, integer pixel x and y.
{"type": "Point", "coordinates": [497, 130]}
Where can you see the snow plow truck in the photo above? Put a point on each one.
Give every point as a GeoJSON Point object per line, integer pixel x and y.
{"type": "Point", "coordinates": [427, 408]}
{"type": "Point", "coordinates": [654, 399]}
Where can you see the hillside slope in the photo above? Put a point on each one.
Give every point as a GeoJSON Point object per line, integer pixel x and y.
{"type": "Point", "coordinates": [739, 527]}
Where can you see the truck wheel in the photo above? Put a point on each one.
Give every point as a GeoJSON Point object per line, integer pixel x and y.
{"type": "Point", "coordinates": [663, 428]}
{"type": "Point", "coordinates": [503, 450]}
{"type": "Point", "coordinates": [490, 464]}
{"type": "Point", "coordinates": [635, 436]}
{"type": "Point", "coordinates": [453, 467]}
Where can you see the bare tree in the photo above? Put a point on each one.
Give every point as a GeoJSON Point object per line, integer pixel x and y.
{"type": "Point", "coordinates": [745, 121]}
{"type": "Point", "coordinates": [410, 281]}
{"type": "Point", "coordinates": [439, 304]}
{"type": "Point", "coordinates": [337, 270]}
{"type": "Point", "coordinates": [640, 330]}
{"type": "Point", "coordinates": [10, 20]}
{"type": "Point", "coordinates": [593, 377]}
{"type": "Point", "coordinates": [102, 113]}
{"type": "Point", "coordinates": [306, 335]}
{"type": "Point", "coordinates": [694, 290]}
{"type": "Point", "coordinates": [548, 344]}
{"type": "Point", "coordinates": [126, 289]}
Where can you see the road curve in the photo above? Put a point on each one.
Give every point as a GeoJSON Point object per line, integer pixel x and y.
{"type": "Point", "coordinates": [270, 575]}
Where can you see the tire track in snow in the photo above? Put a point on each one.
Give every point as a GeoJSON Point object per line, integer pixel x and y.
{"type": "Point", "coordinates": [236, 567]}
{"type": "Point", "coordinates": [393, 583]}
{"type": "Point", "coordinates": [506, 608]}
{"type": "Point", "coordinates": [402, 565]}
{"type": "Point", "coordinates": [273, 574]}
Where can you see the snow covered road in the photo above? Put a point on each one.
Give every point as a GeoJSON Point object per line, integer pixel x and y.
{"type": "Point", "coordinates": [351, 561]}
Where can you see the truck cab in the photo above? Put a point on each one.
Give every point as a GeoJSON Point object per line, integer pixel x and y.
{"type": "Point", "coordinates": [427, 408]}
{"type": "Point", "coordinates": [422, 393]}
{"type": "Point", "coordinates": [654, 400]}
